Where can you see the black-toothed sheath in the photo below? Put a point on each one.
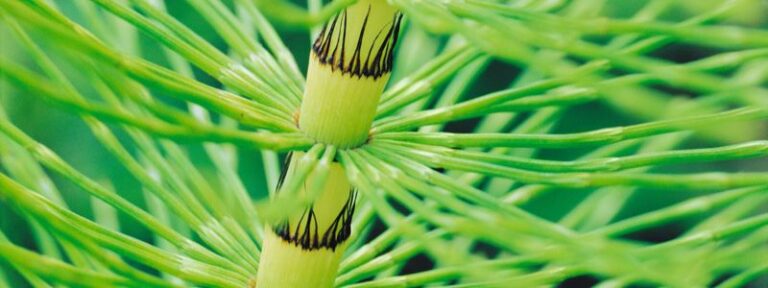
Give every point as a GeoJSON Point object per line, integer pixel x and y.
{"type": "Point", "coordinates": [350, 64]}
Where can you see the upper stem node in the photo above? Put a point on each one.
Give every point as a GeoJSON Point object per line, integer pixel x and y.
{"type": "Point", "coordinates": [349, 66]}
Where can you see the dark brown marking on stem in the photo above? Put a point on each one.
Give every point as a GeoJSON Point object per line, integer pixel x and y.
{"type": "Point", "coordinates": [377, 62]}
{"type": "Point", "coordinates": [284, 171]}
{"type": "Point", "coordinates": [306, 233]}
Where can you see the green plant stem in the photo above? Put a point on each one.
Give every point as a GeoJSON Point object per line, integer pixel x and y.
{"type": "Point", "coordinates": [278, 48]}
{"type": "Point", "coordinates": [446, 196]}
{"type": "Point", "coordinates": [191, 46]}
{"type": "Point", "coordinates": [602, 136]}
{"type": "Point", "coordinates": [198, 132]}
{"type": "Point", "coordinates": [663, 71]}
{"type": "Point", "coordinates": [222, 157]}
{"type": "Point", "coordinates": [472, 270]}
{"type": "Point", "coordinates": [741, 208]}
{"type": "Point", "coordinates": [110, 141]}
{"type": "Point", "coordinates": [688, 181]}
{"type": "Point", "coordinates": [247, 112]}
{"type": "Point", "coordinates": [30, 276]}
{"type": "Point", "coordinates": [436, 248]}
{"type": "Point", "coordinates": [508, 100]}
{"type": "Point", "coordinates": [420, 83]}
{"type": "Point", "coordinates": [712, 235]}
{"type": "Point", "coordinates": [288, 13]}
{"type": "Point", "coordinates": [536, 124]}
{"type": "Point", "coordinates": [61, 272]}
{"type": "Point", "coordinates": [288, 199]}
{"type": "Point", "coordinates": [689, 207]}
{"type": "Point", "coordinates": [52, 161]}
{"type": "Point", "coordinates": [375, 247]}
{"type": "Point", "coordinates": [458, 87]}
{"type": "Point", "coordinates": [65, 222]}
{"type": "Point", "coordinates": [471, 226]}
{"type": "Point", "coordinates": [400, 254]}
{"type": "Point", "coordinates": [258, 58]}
{"type": "Point", "coordinates": [586, 216]}
{"type": "Point", "coordinates": [754, 149]}
{"type": "Point", "coordinates": [717, 36]}
{"type": "Point", "coordinates": [185, 206]}
{"type": "Point", "coordinates": [743, 278]}
{"type": "Point", "coordinates": [512, 100]}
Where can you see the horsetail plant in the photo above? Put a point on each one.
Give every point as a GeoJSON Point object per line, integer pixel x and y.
{"type": "Point", "coordinates": [518, 144]}
{"type": "Point", "coordinates": [347, 72]}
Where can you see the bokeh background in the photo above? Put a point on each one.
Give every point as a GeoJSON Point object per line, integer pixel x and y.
{"type": "Point", "coordinates": [65, 133]}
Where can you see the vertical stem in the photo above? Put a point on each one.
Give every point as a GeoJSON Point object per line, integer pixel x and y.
{"type": "Point", "coordinates": [349, 66]}
{"type": "Point", "coordinates": [305, 249]}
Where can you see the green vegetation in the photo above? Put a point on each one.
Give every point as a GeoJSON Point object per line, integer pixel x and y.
{"type": "Point", "coordinates": [145, 143]}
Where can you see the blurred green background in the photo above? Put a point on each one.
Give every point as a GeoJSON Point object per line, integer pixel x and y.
{"type": "Point", "coordinates": [66, 134]}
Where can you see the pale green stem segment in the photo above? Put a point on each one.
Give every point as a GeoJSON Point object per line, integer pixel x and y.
{"type": "Point", "coordinates": [349, 66]}
{"type": "Point", "coordinates": [305, 251]}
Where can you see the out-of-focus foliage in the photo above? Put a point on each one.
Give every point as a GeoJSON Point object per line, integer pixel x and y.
{"type": "Point", "coordinates": [519, 144]}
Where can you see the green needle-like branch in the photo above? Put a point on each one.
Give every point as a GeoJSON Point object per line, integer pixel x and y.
{"type": "Point", "coordinates": [603, 136]}
{"type": "Point", "coordinates": [520, 143]}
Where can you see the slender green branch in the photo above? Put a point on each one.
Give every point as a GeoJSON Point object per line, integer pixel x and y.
{"type": "Point", "coordinates": [288, 200]}
{"type": "Point", "coordinates": [66, 222]}
{"type": "Point", "coordinates": [712, 36]}
{"type": "Point", "coordinates": [458, 86]}
{"type": "Point", "coordinates": [743, 278]}
{"type": "Point", "coordinates": [247, 112]}
{"type": "Point", "coordinates": [386, 260]}
{"type": "Point", "coordinates": [52, 161]}
{"type": "Point", "coordinates": [479, 270]}
{"type": "Point", "coordinates": [179, 38]}
{"type": "Point", "coordinates": [482, 105]}
{"type": "Point", "coordinates": [58, 271]}
{"type": "Point", "coordinates": [712, 235]}
{"type": "Point", "coordinates": [602, 136]}
{"type": "Point", "coordinates": [290, 14]}
{"type": "Point", "coordinates": [689, 207]}
{"type": "Point", "coordinates": [687, 181]}
{"type": "Point", "coordinates": [754, 149]}
{"type": "Point", "coordinates": [268, 75]}
{"type": "Point", "coordinates": [421, 83]}
{"type": "Point", "coordinates": [278, 48]}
